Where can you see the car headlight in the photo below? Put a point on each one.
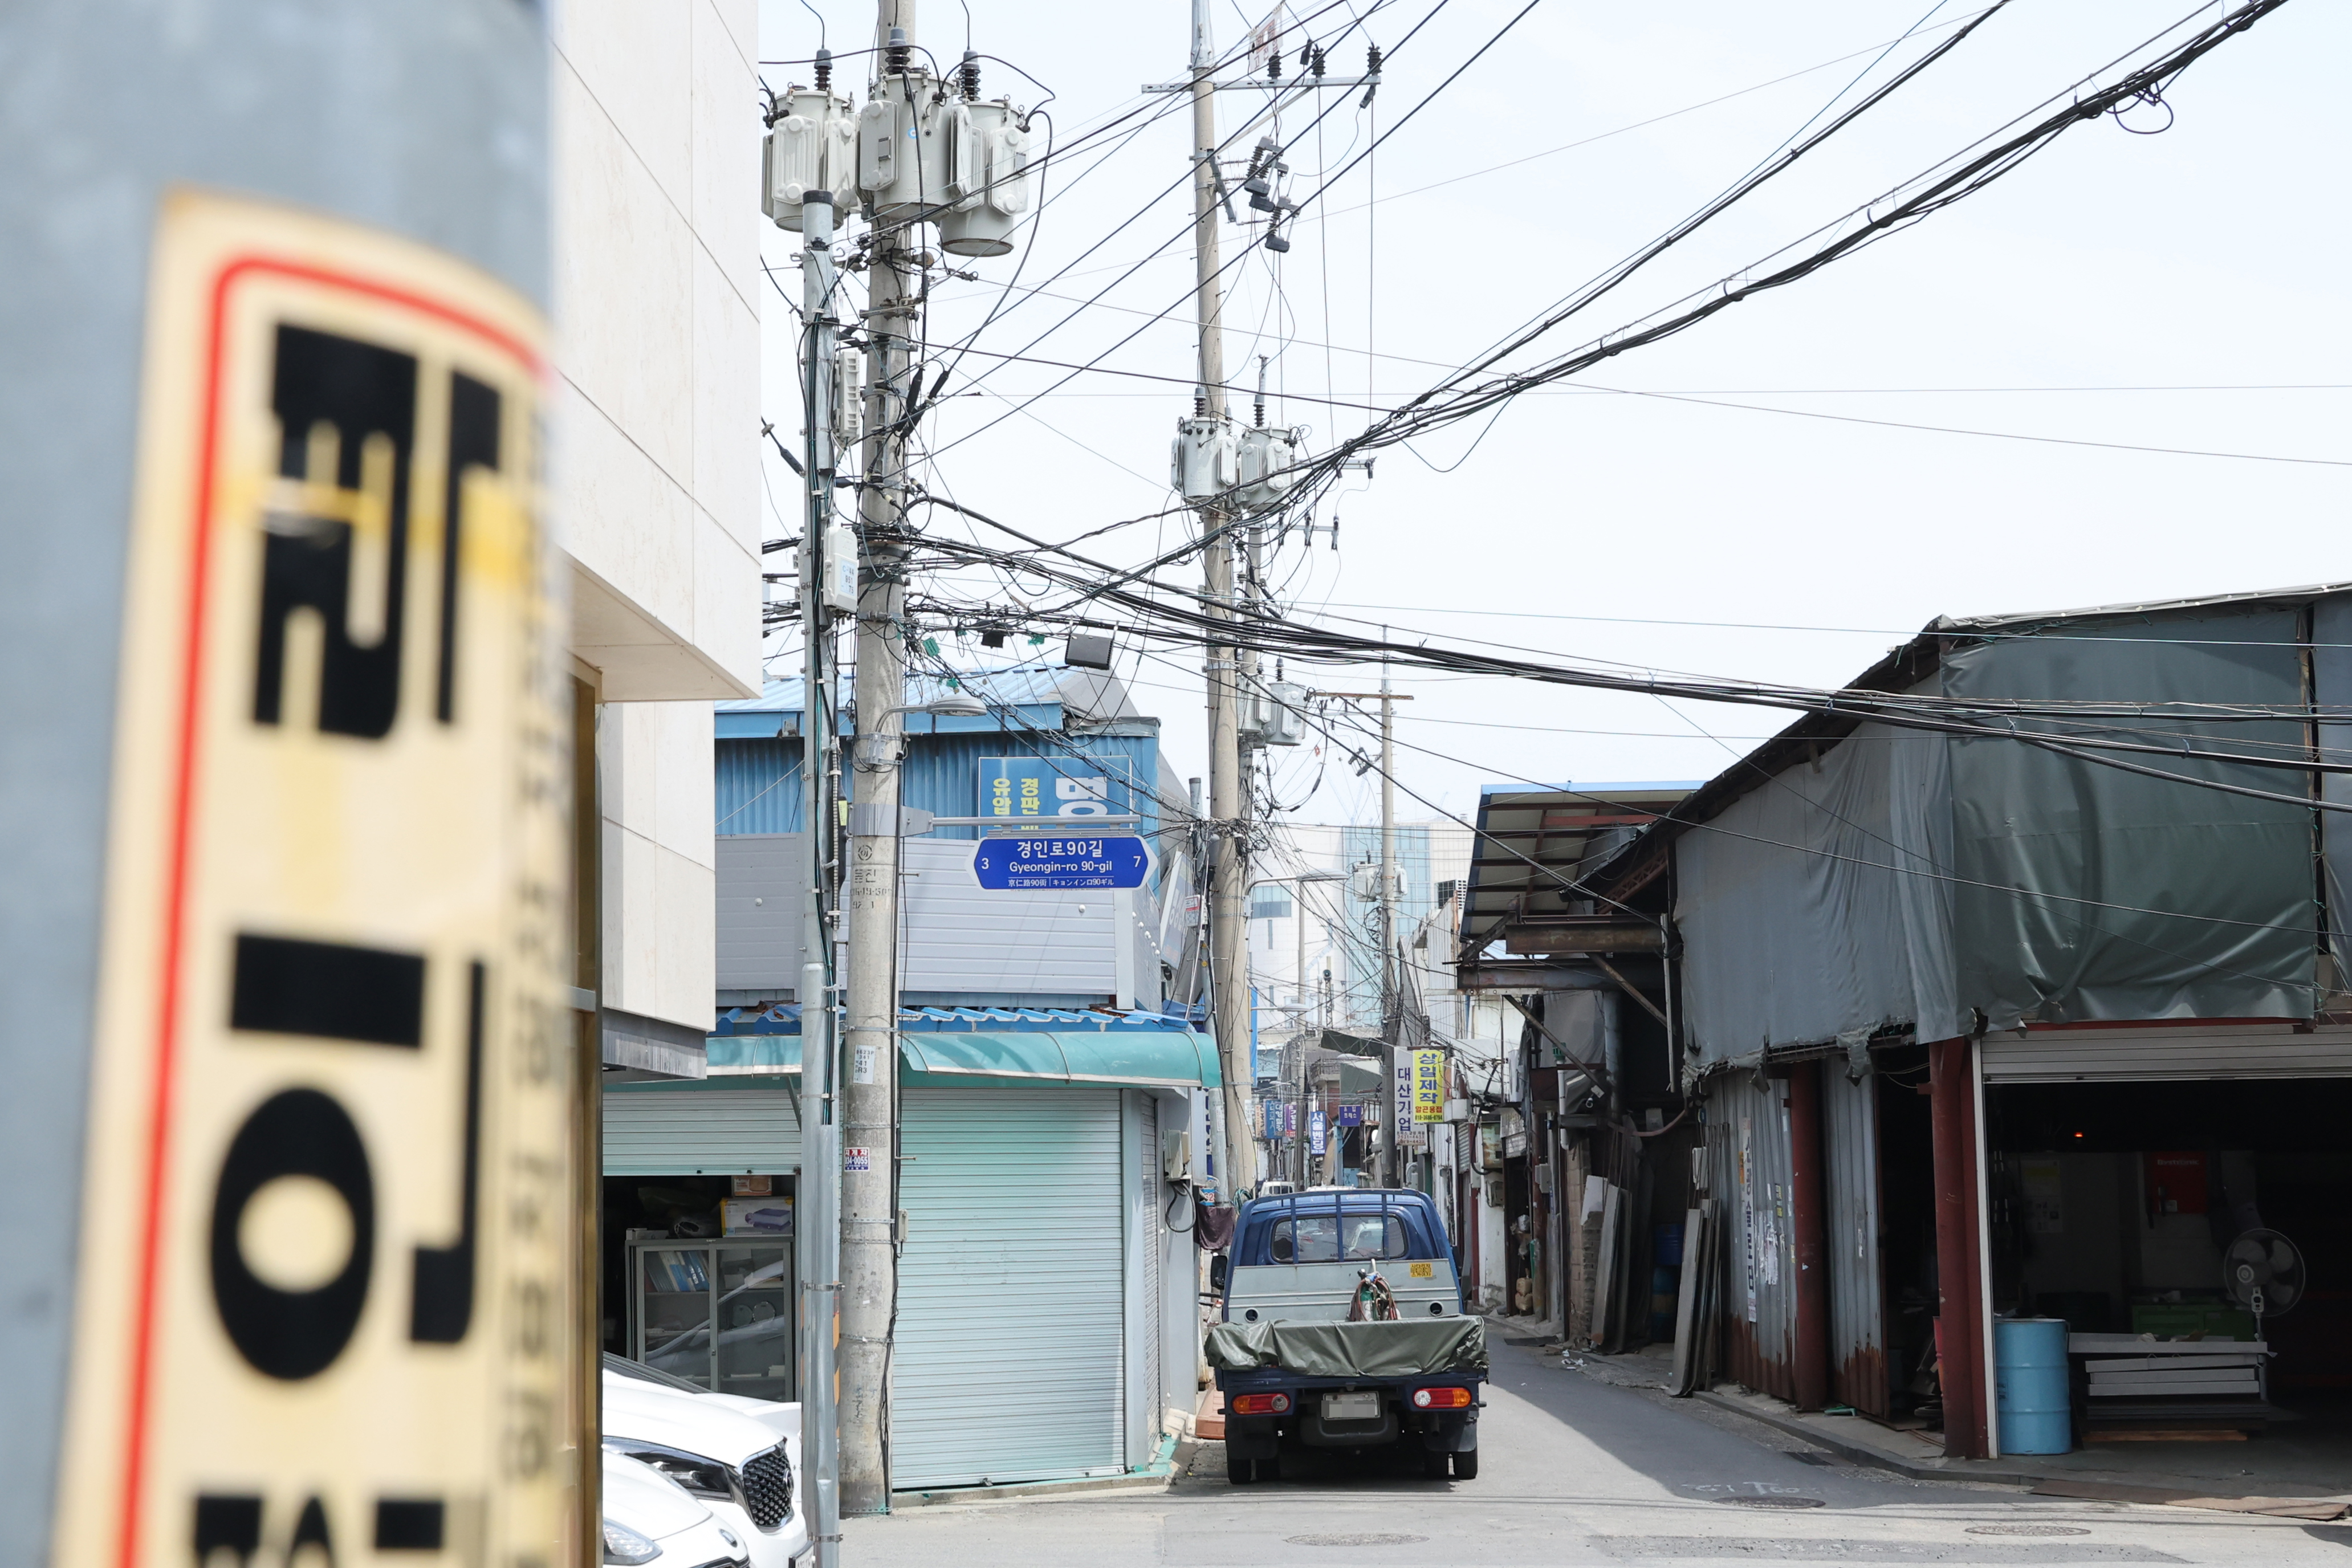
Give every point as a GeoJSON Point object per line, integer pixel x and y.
{"type": "Point", "coordinates": [622, 1544]}
{"type": "Point", "coordinates": [702, 1477]}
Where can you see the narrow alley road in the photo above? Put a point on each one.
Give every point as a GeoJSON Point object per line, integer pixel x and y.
{"type": "Point", "coordinates": [1577, 1471]}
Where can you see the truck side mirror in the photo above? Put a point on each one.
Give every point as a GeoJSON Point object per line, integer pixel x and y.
{"type": "Point", "coordinates": [1217, 1273]}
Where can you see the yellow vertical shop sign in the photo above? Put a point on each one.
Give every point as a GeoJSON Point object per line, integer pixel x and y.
{"type": "Point", "coordinates": [1428, 1086]}
{"type": "Point", "coordinates": [326, 1255]}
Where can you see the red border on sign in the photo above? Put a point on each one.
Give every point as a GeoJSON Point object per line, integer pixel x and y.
{"type": "Point", "coordinates": [159, 1124]}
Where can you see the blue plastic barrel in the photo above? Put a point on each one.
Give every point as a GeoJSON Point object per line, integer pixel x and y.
{"type": "Point", "coordinates": [1666, 1246]}
{"type": "Point", "coordinates": [2030, 1390]}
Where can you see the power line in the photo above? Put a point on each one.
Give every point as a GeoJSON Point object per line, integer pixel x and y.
{"type": "Point", "coordinates": [1948, 182]}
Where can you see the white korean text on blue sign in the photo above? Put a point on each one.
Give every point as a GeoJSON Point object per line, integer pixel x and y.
{"type": "Point", "coordinates": [1014, 788]}
{"type": "Point", "coordinates": [1015, 864]}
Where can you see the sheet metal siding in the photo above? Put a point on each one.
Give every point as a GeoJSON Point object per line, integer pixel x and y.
{"type": "Point", "coordinates": [2090, 1056]}
{"type": "Point", "coordinates": [756, 786]}
{"type": "Point", "coordinates": [1010, 1290]}
{"type": "Point", "coordinates": [760, 895]}
{"type": "Point", "coordinates": [1748, 1143]}
{"type": "Point", "coordinates": [756, 783]}
{"type": "Point", "coordinates": [956, 935]}
{"type": "Point", "coordinates": [699, 1132]}
{"type": "Point", "coordinates": [1857, 1295]}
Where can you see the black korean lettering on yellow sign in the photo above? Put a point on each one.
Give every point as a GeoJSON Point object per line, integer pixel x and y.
{"type": "Point", "coordinates": [322, 1302]}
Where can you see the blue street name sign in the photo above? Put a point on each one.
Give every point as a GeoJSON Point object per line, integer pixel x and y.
{"type": "Point", "coordinates": [1006, 864]}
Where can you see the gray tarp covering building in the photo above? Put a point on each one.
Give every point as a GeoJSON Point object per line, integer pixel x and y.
{"type": "Point", "coordinates": [1839, 884]}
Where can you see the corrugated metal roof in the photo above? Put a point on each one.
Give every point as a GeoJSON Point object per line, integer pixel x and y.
{"type": "Point", "coordinates": [1961, 624]}
{"type": "Point", "coordinates": [1568, 830]}
{"type": "Point", "coordinates": [1030, 696]}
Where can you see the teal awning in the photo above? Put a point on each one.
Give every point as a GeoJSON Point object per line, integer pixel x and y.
{"type": "Point", "coordinates": [1143, 1059]}
{"type": "Point", "coordinates": [1153, 1059]}
{"type": "Point", "coordinates": [733, 1055]}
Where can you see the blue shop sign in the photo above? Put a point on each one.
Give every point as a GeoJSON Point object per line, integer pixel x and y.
{"type": "Point", "coordinates": [1017, 787]}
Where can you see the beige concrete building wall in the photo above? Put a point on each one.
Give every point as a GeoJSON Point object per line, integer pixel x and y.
{"type": "Point", "coordinates": [655, 400]}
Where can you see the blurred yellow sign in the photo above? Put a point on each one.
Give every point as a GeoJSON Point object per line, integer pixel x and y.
{"type": "Point", "coordinates": [326, 1243]}
{"type": "Point", "coordinates": [1428, 1086]}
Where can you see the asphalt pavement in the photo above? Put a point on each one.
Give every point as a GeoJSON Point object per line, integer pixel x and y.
{"type": "Point", "coordinates": [1573, 1470]}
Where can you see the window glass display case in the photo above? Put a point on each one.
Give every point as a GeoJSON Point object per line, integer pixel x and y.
{"type": "Point", "coordinates": [718, 1313]}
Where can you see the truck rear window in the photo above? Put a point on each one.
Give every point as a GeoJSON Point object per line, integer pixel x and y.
{"type": "Point", "coordinates": [1333, 1238]}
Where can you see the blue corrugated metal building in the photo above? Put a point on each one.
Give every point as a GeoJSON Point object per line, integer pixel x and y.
{"type": "Point", "coordinates": [1080, 718]}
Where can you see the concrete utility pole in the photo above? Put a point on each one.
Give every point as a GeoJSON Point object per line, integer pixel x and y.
{"type": "Point", "coordinates": [1388, 896]}
{"type": "Point", "coordinates": [195, 167]}
{"type": "Point", "coordinates": [869, 1261]}
{"type": "Point", "coordinates": [818, 1225]}
{"type": "Point", "coordinates": [1229, 807]}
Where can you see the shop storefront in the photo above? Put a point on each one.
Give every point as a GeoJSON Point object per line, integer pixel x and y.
{"type": "Point", "coordinates": [2130, 1173]}
{"type": "Point", "coordinates": [1046, 1315]}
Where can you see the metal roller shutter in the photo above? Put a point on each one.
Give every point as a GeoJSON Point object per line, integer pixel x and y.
{"type": "Point", "coordinates": [2213, 1050]}
{"type": "Point", "coordinates": [1155, 1205]}
{"type": "Point", "coordinates": [699, 1132]}
{"type": "Point", "coordinates": [1011, 1286]}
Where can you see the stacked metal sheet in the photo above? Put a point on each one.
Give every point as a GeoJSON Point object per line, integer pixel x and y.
{"type": "Point", "coordinates": [2135, 1380]}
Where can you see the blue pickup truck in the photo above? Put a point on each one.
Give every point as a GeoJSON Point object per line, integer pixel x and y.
{"type": "Point", "coordinates": [1341, 1326]}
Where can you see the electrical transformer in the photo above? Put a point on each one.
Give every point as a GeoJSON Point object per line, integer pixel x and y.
{"type": "Point", "coordinates": [1201, 462]}
{"type": "Point", "coordinates": [1273, 714]}
{"type": "Point", "coordinates": [1265, 462]}
{"type": "Point", "coordinates": [903, 138]}
{"type": "Point", "coordinates": [813, 147]}
{"type": "Point", "coordinates": [988, 179]}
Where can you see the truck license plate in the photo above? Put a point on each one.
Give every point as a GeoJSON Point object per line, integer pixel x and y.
{"type": "Point", "coordinates": [1351, 1406]}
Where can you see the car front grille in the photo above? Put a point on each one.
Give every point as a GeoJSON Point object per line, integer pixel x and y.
{"type": "Point", "coordinates": [768, 1488]}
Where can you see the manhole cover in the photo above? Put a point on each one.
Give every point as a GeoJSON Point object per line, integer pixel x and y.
{"type": "Point", "coordinates": [1366, 1538]}
{"type": "Point", "coordinates": [1773, 1502]}
{"type": "Point", "coordinates": [2026, 1530]}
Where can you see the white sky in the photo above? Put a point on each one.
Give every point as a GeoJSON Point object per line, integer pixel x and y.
{"type": "Point", "coordinates": [2206, 256]}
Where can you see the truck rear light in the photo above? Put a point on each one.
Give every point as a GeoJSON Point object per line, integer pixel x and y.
{"type": "Point", "coordinates": [1259, 1405]}
{"type": "Point", "coordinates": [1441, 1398]}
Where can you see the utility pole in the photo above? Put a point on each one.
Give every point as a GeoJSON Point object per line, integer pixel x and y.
{"type": "Point", "coordinates": [869, 1222]}
{"type": "Point", "coordinates": [817, 1226]}
{"type": "Point", "coordinates": [1387, 894]}
{"type": "Point", "coordinates": [1229, 807]}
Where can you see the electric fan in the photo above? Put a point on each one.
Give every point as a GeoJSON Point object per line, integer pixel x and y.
{"type": "Point", "coordinates": [2264, 1273]}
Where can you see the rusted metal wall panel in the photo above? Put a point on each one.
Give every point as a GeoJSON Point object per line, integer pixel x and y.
{"type": "Point", "coordinates": [1750, 1172]}
{"type": "Point", "coordinates": [1857, 1291]}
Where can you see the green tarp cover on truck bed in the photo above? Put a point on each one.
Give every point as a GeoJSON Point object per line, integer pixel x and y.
{"type": "Point", "coordinates": [1404, 1349]}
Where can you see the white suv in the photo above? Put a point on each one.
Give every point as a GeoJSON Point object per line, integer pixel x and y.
{"type": "Point", "coordinates": [740, 1457]}
{"type": "Point", "coordinates": [651, 1522]}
